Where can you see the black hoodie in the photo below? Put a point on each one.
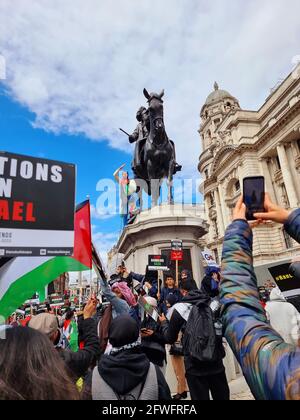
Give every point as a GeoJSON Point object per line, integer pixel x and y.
{"type": "Point", "coordinates": [125, 370]}
{"type": "Point", "coordinates": [177, 323]}
{"type": "Point", "coordinates": [189, 280]}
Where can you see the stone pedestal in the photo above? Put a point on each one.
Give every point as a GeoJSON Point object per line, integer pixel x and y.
{"type": "Point", "coordinates": [153, 231]}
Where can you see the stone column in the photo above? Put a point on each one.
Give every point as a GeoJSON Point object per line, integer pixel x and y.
{"type": "Point", "coordinates": [295, 150]}
{"type": "Point", "coordinates": [219, 214]}
{"type": "Point", "coordinates": [287, 177]}
{"type": "Point", "coordinates": [240, 176]}
{"type": "Point", "coordinates": [223, 207]}
{"type": "Point", "coordinates": [210, 230]}
{"type": "Point", "coordinates": [268, 179]}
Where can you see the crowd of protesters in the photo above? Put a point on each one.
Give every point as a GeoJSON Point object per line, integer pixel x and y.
{"type": "Point", "coordinates": [117, 348]}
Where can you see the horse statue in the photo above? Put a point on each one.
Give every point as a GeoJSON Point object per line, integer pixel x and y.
{"type": "Point", "coordinates": [157, 152]}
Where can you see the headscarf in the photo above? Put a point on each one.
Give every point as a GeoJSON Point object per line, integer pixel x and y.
{"type": "Point", "coordinates": [123, 333]}
{"type": "Point", "coordinates": [210, 270]}
{"type": "Point", "coordinates": [126, 292]}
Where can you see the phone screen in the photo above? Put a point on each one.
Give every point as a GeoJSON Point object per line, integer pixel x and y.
{"type": "Point", "coordinates": [254, 196]}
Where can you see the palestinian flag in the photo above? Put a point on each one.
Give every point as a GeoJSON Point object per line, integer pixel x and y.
{"type": "Point", "coordinates": [21, 277]}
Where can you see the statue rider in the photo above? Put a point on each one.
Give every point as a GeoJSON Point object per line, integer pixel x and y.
{"type": "Point", "coordinates": [140, 133]}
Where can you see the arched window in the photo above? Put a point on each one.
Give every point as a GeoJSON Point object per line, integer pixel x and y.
{"type": "Point", "coordinates": [237, 186]}
{"type": "Point", "coordinates": [233, 188]}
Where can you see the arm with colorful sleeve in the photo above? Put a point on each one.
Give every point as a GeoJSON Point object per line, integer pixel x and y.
{"type": "Point", "coordinates": [270, 366]}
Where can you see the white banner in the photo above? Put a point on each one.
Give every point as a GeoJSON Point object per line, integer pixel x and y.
{"type": "Point", "coordinates": [209, 258]}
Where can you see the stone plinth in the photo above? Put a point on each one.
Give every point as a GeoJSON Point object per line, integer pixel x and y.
{"type": "Point", "coordinates": [153, 231]}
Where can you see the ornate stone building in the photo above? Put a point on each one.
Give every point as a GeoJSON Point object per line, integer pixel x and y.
{"type": "Point", "coordinates": [237, 143]}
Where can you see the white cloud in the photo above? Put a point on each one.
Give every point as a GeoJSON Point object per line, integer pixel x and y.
{"type": "Point", "coordinates": [104, 242]}
{"type": "Point", "coordinates": [102, 214]}
{"type": "Point", "coordinates": [81, 66]}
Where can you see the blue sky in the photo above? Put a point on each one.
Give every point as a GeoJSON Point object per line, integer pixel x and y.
{"type": "Point", "coordinates": [94, 160]}
{"type": "Point", "coordinates": [75, 72]}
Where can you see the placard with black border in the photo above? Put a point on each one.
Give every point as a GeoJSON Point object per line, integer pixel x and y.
{"type": "Point", "coordinates": [37, 204]}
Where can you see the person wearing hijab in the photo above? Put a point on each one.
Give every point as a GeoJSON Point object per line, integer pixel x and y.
{"type": "Point", "coordinates": [126, 373]}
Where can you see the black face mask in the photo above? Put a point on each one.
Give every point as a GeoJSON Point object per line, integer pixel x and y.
{"type": "Point", "coordinates": [294, 270]}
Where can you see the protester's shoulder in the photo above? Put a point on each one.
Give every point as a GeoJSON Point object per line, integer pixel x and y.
{"type": "Point", "coordinates": [290, 308]}
{"type": "Point", "coordinates": [180, 305]}
{"type": "Point", "coordinates": [181, 308]}
{"type": "Point", "coordinates": [293, 219]}
{"type": "Point", "coordinates": [88, 324]}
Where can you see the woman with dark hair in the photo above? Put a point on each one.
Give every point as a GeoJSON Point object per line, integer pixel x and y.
{"type": "Point", "coordinates": [126, 373]}
{"type": "Point", "coordinates": [186, 277]}
{"type": "Point", "coordinates": [31, 368]}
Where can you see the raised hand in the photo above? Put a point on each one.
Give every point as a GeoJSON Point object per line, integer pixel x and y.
{"type": "Point", "coordinates": [273, 212]}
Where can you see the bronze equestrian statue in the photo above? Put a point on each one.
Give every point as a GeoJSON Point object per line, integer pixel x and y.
{"type": "Point", "coordinates": [154, 156]}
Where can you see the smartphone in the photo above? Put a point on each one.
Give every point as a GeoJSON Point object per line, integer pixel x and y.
{"type": "Point", "coordinates": [254, 195]}
{"type": "Point", "coordinates": [140, 290]}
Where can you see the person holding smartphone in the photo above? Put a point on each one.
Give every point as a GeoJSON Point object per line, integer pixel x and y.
{"type": "Point", "coordinates": [153, 342]}
{"type": "Point", "coordinates": [270, 366]}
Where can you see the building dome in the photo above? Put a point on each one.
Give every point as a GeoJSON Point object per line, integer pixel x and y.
{"type": "Point", "coordinates": [218, 95]}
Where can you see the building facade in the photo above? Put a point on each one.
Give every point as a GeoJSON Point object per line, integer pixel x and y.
{"type": "Point", "coordinates": [237, 143]}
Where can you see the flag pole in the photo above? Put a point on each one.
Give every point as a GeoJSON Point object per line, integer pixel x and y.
{"type": "Point", "coordinates": [177, 274]}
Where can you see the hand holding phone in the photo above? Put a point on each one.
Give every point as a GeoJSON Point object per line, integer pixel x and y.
{"type": "Point", "coordinates": [254, 196]}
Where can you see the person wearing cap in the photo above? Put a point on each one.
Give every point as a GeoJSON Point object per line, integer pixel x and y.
{"type": "Point", "coordinates": [126, 373]}
{"type": "Point", "coordinates": [153, 342]}
{"type": "Point", "coordinates": [79, 362]}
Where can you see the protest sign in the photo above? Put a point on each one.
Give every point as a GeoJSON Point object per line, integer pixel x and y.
{"type": "Point", "coordinates": [176, 245]}
{"type": "Point", "coordinates": [176, 255]}
{"type": "Point", "coordinates": [158, 262]}
{"type": "Point", "coordinates": [209, 259]}
{"type": "Point", "coordinates": [283, 278]}
{"type": "Point", "coordinates": [37, 201]}
{"type": "Point", "coordinates": [148, 308]}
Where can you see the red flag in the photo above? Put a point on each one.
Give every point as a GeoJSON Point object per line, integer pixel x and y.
{"type": "Point", "coordinates": [83, 235]}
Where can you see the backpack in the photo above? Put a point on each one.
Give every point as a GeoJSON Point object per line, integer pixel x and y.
{"type": "Point", "coordinates": [202, 340]}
